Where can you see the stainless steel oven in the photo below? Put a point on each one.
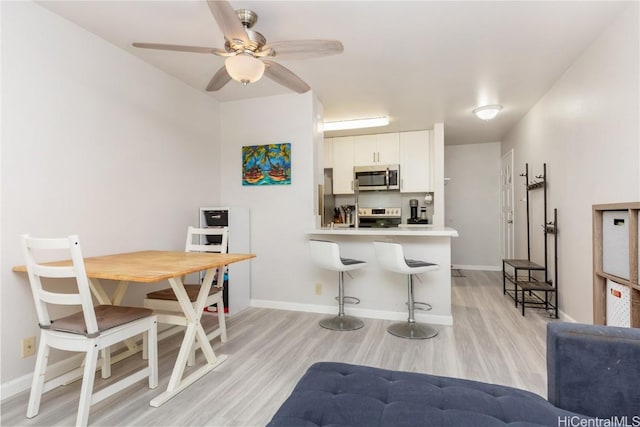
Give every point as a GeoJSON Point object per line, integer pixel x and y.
{"type": "Point", "coordinates": [379, 217]}
{"type": "Point", "coordinates": [378, 177]}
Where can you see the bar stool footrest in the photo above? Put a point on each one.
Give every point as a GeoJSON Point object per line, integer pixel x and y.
{"type": "Point", "coordinates": [349, 300]}
{"type": "Point", "coordinates": [422, 306]}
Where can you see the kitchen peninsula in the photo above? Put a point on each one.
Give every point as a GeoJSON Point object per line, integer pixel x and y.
{"type": "Point", "coordinates": [383, 294]}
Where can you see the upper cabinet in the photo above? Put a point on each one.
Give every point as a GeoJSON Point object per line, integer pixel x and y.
{"type": "Point", "coordinates": [416, 168]}
{"type": "Point", "coordinates": [343, 165]}
{"type": "Point", "coordinates": [413, 151]}
{"type": "Point", "coordinates": [328, 153]}
{"type": "Point", "coordinates": [379, 149]}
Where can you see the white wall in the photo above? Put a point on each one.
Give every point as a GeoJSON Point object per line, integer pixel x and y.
{"type": "Point", "coordinates": [472, 203]}
{"type": "Point", "coordinates": [280, 214]}
{"type": "Point", "coordinates": [94, 142]}
{"type": "Point", "coordinates": [586, 129]}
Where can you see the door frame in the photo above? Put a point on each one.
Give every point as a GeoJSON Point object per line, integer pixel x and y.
{"type": "Point", "coordinates": [507, 240]}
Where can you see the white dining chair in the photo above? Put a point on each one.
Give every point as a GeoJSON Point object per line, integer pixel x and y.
{"type": "Point", "coordinates": [90, 330]}
{"type": "Point", "coordinates": [165, 303]}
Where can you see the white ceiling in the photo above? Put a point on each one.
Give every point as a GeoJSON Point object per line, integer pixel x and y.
{"type": "Point", "coordinates": [419, 62]}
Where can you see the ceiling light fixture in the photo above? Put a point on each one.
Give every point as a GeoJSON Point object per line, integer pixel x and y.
{"type": "Point", "coordinates": [487, 112]}
{"type": "Point", "coordinates": [356, 124]}
{"type": "Point", "coordinates": [244, 68]}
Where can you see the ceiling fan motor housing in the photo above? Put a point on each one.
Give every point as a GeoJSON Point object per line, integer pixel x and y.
{"type": "Point", "coordinates": [256, 41]}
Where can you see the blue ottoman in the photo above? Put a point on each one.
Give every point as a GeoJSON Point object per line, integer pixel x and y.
{"type": "Point", "coordinates": [596, 365]}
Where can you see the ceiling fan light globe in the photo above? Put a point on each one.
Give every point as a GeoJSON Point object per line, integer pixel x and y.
{"type": "Point", "coordinates": [244, 68]}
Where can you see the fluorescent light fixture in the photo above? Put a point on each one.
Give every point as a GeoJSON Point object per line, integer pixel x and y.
{"type": "Point", "coordinates": [356, 124]}
{"type": "Point", "coordinates": [487, 112]}
{"type": "Point", "coordinates": [244, 68]}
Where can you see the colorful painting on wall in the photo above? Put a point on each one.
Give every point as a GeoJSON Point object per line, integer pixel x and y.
{"type": "Point", "coordinates": [266, 164]}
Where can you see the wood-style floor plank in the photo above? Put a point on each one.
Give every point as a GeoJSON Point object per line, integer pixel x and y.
{"type": "Point", "coordinates": [269, 350]}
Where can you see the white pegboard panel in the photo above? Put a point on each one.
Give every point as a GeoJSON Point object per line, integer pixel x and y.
{"type": "Point", "coordinates": [618, 305]}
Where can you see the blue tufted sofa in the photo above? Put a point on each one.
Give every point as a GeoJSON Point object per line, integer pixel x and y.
{"type": "Point", "coordinates": [593, 372]}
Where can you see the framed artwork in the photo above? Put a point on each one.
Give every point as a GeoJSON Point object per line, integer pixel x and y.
{"type": "Point", "coordinates": [266, 164]}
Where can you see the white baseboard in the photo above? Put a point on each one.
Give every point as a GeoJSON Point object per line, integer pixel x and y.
{"type": "Point", "coordinates": [359, 312]}
{"type": "Point", "coordinates": [477, 267]}
{"type": "Point", "coordinates": [565, 317]}
{"type": "Point", "coordinates": [23, 383]}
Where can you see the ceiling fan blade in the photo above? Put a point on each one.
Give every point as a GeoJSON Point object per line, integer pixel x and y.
{"type": "Point", "coordinates": [181, 48]}
{"type": "Point", "coordinates": [219, 79]}
{"type": "Point", "coordinates": [228, 21]}
{"type": "Point", "coordinates": [302, 49]}
{"type": "Point", "coordinates": [285, 77]}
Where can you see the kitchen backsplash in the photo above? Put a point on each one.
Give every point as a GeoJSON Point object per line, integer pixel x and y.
{"type": "Point", "coordinates": [387, 199]}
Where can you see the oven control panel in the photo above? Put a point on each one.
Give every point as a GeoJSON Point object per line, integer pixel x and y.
{"type": "Point", "coordinates": [380, 212]}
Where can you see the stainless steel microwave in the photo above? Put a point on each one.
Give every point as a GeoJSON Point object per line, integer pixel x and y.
{"type": "Point", "coordinates": [378, 177]}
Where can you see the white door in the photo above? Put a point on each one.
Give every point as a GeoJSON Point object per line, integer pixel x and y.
{"type": "Point", "coordinates": [507, 205]}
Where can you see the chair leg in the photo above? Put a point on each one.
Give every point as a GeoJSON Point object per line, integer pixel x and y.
{"type": "Point", "coordinates": [151, 338]}
{"type": "Point", "coordinates": [106, 363]}
{"type": "Point", "coordinates": [37, 384]}
{"type": "Point", "coordinates": [87, 386]}
{"type": "Point", "coordinates": [145, 346]}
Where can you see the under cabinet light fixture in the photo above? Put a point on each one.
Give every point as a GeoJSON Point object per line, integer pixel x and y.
{"type": "Point", "coordinates": [356, 124]}
{"type": "Point", "coordinates": [487, 112]}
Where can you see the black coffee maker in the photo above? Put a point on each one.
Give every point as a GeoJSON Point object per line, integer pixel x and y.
{"type": "Point", "coordinates": [413, 204]}
{"type": "Point", "coordinates": [415, 217]}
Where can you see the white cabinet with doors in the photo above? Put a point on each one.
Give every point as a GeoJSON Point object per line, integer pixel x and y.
{"type": "Point", "coordinates": [416, 168]}
{"type": "Point", "coordinates": [342, 149]}
{"type": "Point", "coordinates": [328, 153]}
{"type": "Point", "coordinates": [378, 149]}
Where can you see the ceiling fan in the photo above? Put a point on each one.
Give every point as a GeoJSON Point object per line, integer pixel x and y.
{"type": "Point", "coordinates": [247, 51]}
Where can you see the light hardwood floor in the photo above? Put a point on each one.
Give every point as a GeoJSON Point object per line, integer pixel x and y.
{"type": "Point", "coordinates": [269, 350]}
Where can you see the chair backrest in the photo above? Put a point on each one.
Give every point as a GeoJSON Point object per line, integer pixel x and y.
{"type": "Point", "coordinates": [390, 256]}
{"type": "Point", "coordinates": [35, 247]}
{"type": "Point", "coordinates": [325, 254]}
{"type": "Point", "coordinates": [201, 246]}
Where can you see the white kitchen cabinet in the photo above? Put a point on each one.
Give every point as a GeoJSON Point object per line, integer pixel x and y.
{"type": "Point", "coordinates": [343, 165]}
{"type": "Point", "coordinates": [416, 168]}
{"type": "Point", "coordinates": [378, 149]}
{"type": "Point", "coordinates": [328, 153]}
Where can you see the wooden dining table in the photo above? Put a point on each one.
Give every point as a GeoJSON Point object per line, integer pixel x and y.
{"type": "Point", "coordinates": [146, 267]}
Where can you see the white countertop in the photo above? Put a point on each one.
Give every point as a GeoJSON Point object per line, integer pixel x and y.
{"type": "Point", "coordinates": [402, 230]}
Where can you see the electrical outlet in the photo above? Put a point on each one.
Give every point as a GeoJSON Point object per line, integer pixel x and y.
{"type": "Point", "coordinates": [318, 288]}
{"type": "Point", "coordinates": [28, 346]}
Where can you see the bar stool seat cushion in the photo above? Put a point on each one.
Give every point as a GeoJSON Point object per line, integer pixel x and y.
{"type": "Point", "coordinates": [349, 261]}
